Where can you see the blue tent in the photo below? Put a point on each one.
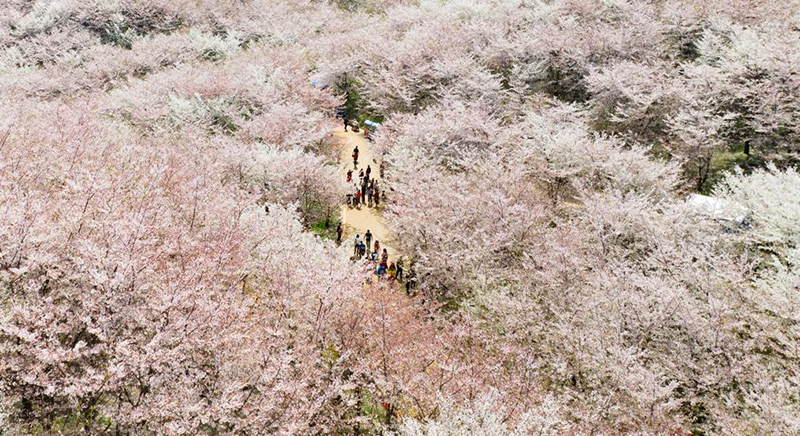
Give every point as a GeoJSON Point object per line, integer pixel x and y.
{"type": "Point", "coordinates": [371, 123]}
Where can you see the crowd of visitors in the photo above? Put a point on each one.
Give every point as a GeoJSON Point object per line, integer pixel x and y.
{"type": "Point", "coordinates": [377, 257]}
{"type": "Point", "coordinates": [366, 191]}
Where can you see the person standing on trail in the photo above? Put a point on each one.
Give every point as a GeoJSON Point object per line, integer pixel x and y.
{"type": "Point", "coordinates": [358, 199]}
{"type": "Point", "coordinates": [411, 283]}
{"type": "Point", "coordinates": [377, 198]}
{"type": "Point", "coordinates": [363, 190]}
{"type": "Point", "coordinates": [349, 176]}
{"type": "Point", "coordinates": [374, 256]}
{"type": "Point", "coordinates": [368, 237]}
{"type": "Point", "coordinates": [356, 244]}
{"type": "Point", "coordinates": [377, 246]}
{"type": "Point", "coordinates": [369, 196]}
{"type": "Point", "coordinates": [355, 155]}
{"type": "Point", "coordinates": [369, 170]}
{"type": "Point", "coordinates": [384, 256]}
{"type": "Point", "coordinates": [399, 274]}
{"type": "Point", "coordinates": [345, 123]}
{"type": "Point", "coordinates": [339, 233]}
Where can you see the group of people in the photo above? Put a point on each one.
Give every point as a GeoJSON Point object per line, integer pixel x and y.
{"type": "Point", "coordinates": [384, 267]}
{"type": "Point", "coordinates": [365, 190]}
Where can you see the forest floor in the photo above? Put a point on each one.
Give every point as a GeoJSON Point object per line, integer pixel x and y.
{"type": "Point", "coordinates": [358, 221]}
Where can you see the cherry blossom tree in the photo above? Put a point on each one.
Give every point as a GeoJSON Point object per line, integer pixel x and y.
{"type": "Point", "coordinates": [161, 163]}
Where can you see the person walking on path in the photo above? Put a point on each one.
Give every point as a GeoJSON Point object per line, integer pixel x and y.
{"type": "Point", "coordinates": [400, 268]}
{"type": "Point", "coordinates": [355, 156]}
{"type": "Point", "coordinates": [392, 271]}
{"type": "Point", "coordinates": [358, 199]}
{"type": "Point", "coordinates": [369, 196]}
{"type": "Point", "coordinates": [345, 123]}
{"type": "Point", "coordinates": [339, 233]}
{"type": "Point", "coordinates": [399, 274]}
{"type": "Point", "coordinates": [377, 246]}
{"type": "Point", "coordinates": [356, 244]}
{"type": "Point", "coordinates": [369, 170]}
{"type": "Point", "coordinates": [377, 198]}
{"type": "Point", "coordinates": [368, 237]}
{"type": "Point", "coordinates": [363, 190]}
{"type": "Point", "coordinates": [411, 283]}
{"type": "Point", "coordinates": [349, 176]}
{"type": "Point", "coordinates": [384, 256]}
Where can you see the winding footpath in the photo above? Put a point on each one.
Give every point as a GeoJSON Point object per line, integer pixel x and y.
{"type": "Point", "coordinates": [358, 221]}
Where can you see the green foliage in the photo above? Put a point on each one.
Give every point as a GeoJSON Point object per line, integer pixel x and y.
{"type": "Point", "coordinates": [323, 230]}
{"type": "Point", "coordinates": [356, 106]}
{"type": "Point", "coordinates": [721, 163]}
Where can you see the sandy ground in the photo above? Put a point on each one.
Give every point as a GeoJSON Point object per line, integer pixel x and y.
{"type": "Point", "coordinates": [358, 221]}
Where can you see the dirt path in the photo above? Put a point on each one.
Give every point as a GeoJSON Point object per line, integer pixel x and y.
{"type": "Point", "coordinates": [358, 221]}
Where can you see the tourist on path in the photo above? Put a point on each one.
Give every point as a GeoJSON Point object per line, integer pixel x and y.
{"type": "Point", "coordinates": [339, 233]}
{"type": "Point", "coordinates": [369, 170]}
{"type": "Point", "coordinates": [411, 284]}
{"type": "Point", "coordinates": [355, 156]}
{"type": "Point", "coordinates": [345, 123]}
{"type": "Point", "coordinates": [349, 176]}
{"type": "Point", "coordinates": [377, 198]}
{"type": "Point", "coordinates": [356, 244]}
{"type": "Point", "coordinates": [368, 238]}
{"type": "Point", "coordinates": [369, 196]}
{"type": "Point", "coordinates": [377, 246]}
{"type": "Point", "coordinates": [384, 256]}
{"type": "Point", "coordinates": [399, 270]}
{"type": "Point", "coordinates": [392, 271]}
{"type": "Point", "coordinates": [363, 190]}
